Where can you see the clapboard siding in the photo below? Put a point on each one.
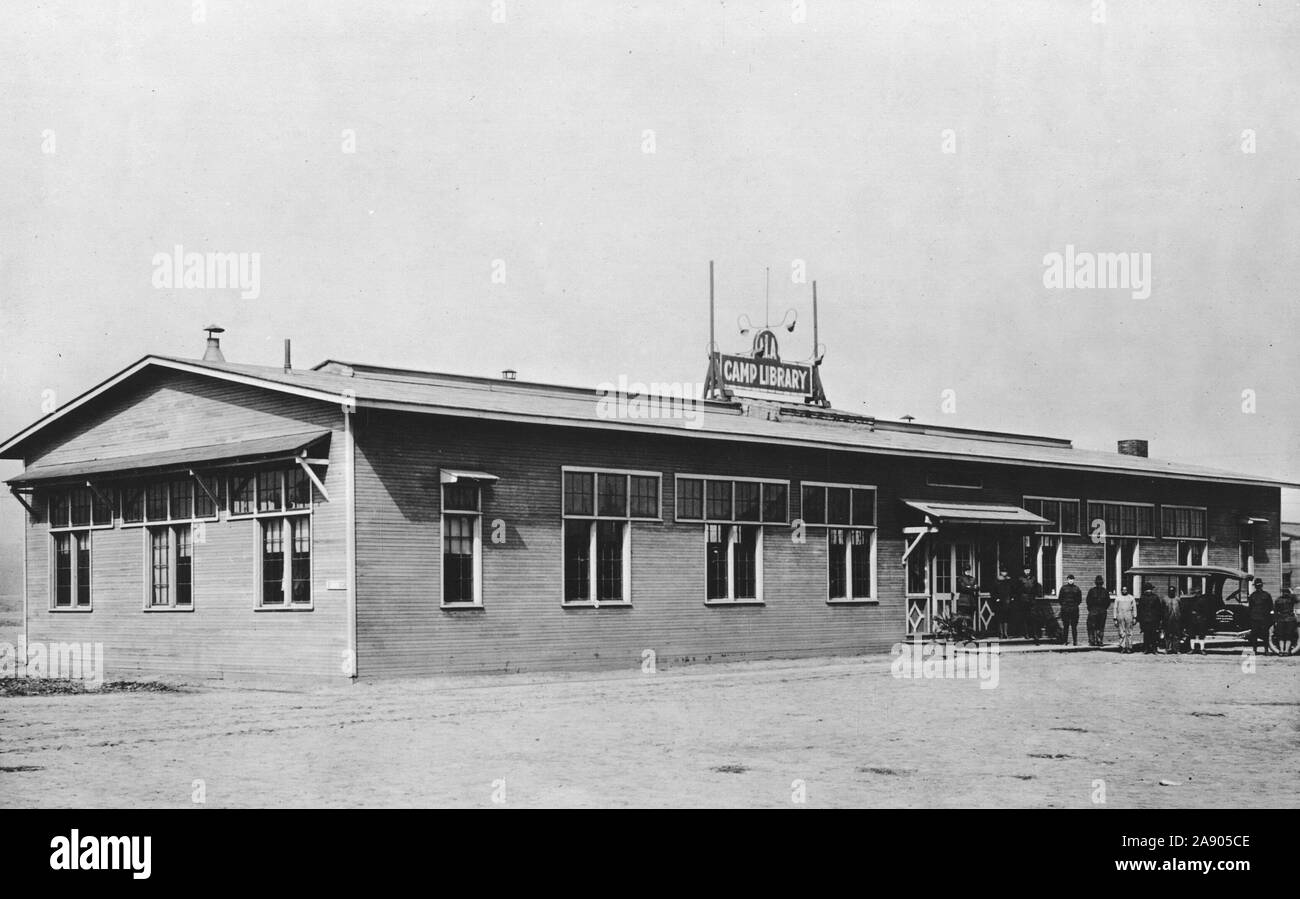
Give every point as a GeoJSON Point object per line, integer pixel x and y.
{"type": "Point", "coordinates": [224, 635]}
{"type": "Point", "coordinates": [158, 411]}
{"type": "Point", "coordinates": [523, 626]}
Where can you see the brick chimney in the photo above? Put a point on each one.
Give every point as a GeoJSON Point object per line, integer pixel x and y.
{"type": "Point", "coordinates": [1133, 448]}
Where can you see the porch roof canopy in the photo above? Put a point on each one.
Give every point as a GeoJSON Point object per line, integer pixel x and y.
{"type": "Point", "coordinates": [262, 449]}
{"type": "Point", "coordinates": [977, 513]}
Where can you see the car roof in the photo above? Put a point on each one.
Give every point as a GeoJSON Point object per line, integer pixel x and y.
{"type": "Point", "coordinates": [1189, 571]}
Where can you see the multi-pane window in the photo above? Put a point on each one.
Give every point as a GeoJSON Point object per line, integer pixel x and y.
{"type": "Point", "coordinates": [1062, 513]}
{"type": "Point", "coordinates": [72, 515]}
{"type": "Point", "coordinates": [1191, 552]}
{"type": "Point", "coordinates": [282, 503]}
{"type": "Point", "coordinates": [732, 499]}
{"type": "Point", "coordinates": [733, 555]}
{"type": "Point", "coordinates": [71, 569]}
{"type": "Point", "coordinates": [1182, 522]}
{"type": "Point", "coordinates": [836, 504]}
{"type": "Point", "coordinates": [271, 491]}
{"type": "Point", "coordinates": [461, 544]}
{"type": "Point", "coordinates": [81, 507]}
{"type": "Point", "coordinates": [1044, 556]}
{"type": "Point", "coordinates": [599, 507]}
{"type": "Point", "coordinates": [171, 567]}
{"type": "Point", "coordinates": [734, 511]}
{"type": "Point", "coordinates": [851, 554]}
{"type": "Point", "coordinates": [178, 498]}
{"type": "Point", "coordinates": [286, 561]}
{"type": "Point", "coordinates": [1123, 519]}
{"type": "Point", "coordinates": [849, 512]}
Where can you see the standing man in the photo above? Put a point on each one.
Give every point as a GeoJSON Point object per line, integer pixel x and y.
{"type": "Point", "coordinates": [1070, 597]}
{"type": "Point", "coordinates": [1031, 590]}
{"type": "Point", "coordinates": [1284, 626]}
{"type": "Point", "coordinates": [1261, 615]}
{"type": "Point", "coordinates": [1171, 621]}
{"type": "Point", "coordinates": [1098, 603]}
{"type": "Point", "coordinates": [967, 598]}
{"type": "Point", "coordinates": [1001, 602]}
{"type": "Point", "coordinates": [1149, 612]}
{"type": "Point", "coordinates": [1125, 617]}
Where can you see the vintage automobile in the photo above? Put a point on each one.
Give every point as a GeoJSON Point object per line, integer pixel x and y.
{"type": "Point", "coordinates": [1224, 588]}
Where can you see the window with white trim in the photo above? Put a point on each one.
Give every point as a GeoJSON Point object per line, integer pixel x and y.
{"type": "Point", "coordinates": [599, 508]}
{"type": "Point", "coordinates": [462, 544]}
{"type": "Point", "coordinates": [72, 515]}
{"type": "Point", "coordinates": [178, 498]}
{"type": "Point", "coordinates": [1191, 552]}
{"type": "Point", "coordinates": [281, 501]}
{"type": "Point", "coordinates": [1123, 519]}
{"type": "Point", "coordinates": [734, 512]}
{"type": "Point", "coordinates": [1182, 522]}
{"type": "Point", "coordinates": [170, 567]}
{"type": "Point", "coordinates": [848, 511]}
{"type": "Point", "coordinates": [1062, 513]}
{"type": "Point", "coordinates": [1044, 555]}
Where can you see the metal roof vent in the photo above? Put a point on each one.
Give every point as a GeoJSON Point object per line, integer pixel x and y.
{"type": "Point", "coordinates": [509, 374]}
{"type": "Point", "coordinates": [1133, 448]}
{"type": "Point", "coordinates": [213, 351]}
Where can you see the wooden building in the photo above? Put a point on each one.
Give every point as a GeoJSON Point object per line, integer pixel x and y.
{"type": "Point", "coordinates": [210, 518]}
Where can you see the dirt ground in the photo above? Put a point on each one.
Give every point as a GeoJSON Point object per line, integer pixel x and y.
{"type": "Point", "coordinates": [1058, 730]}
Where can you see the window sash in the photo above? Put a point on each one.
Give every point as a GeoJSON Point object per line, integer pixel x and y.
{"type": "Point", "coordinates": [733, 562]}
{"type": "Point", "coordinates": [596, 561]}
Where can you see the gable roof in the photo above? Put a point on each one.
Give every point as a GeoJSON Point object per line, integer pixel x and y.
{"type": "Point", "coordinates": [376, 387]}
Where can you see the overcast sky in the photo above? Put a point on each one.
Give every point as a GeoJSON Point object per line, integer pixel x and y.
{"type": "Point", "coordinates": [782, 135]}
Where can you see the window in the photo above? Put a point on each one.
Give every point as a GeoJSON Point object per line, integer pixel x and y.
{"type": "Point", "coordinates": [269, 491]}
{"type": "Point", "coordinates": [732, 499]}
{"type": "Point", "coordinates": [1246, 556]}
{"type": "Point", "coordinates": [734, 511]}
{"type": "Point", "coordinates": [286, 561]}
{"type": "Point", "coordinates": [838, 504]}
{"type": "Point", "coordinates": [81, 507]}
{"type": "Point", "coordinates": [72, 515]}
{"type": "Point", "coordinates": [72, 570]}
{"type": "Point", "coordinates": [1043, 556]}
{"type": "Point", "coordinates": [1191, 552]}
{"type": "Point", "coordinates": [599, 507]}
{"type": "Point", "coordinates": [690, 499]}
{"type": "Point", "coordinates": [283, 506]}
{"type": "Point", "coordinates": [1062, 513]}
{"type": "Point", "coordinates": [1121, 555]}
{"type": "Point", "coordinates": [733, 555]}
{"type": "Point", "coordinates": [1122, 519]}
{"type": "Point", "coordinates": [171, 567]}
{"type": "Point", "coordinates": [1286, 552]}
{"type": "Point", "coordinates": [849, 512]}
{"type": "Point", "coordinates": [186, 497]}
{"type": "Point", "coordinates": [462, 544]}
{"type": "Point", "coordinates": [1182, 522]}
{"type": "Point", "coordinates": [851, 563]}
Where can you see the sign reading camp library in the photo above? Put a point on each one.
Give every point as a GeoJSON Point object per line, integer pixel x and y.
{"type": "Point", "coordinates": [768, 375]}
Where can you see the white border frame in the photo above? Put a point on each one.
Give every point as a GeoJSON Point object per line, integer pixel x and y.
{"type": "Point", "coordinates": [1204, 509]}
{"type": "Point", "coordinates": [733, 520]}
{"type": "Point", "coordinates": [54, 573]}
{"type": "Point", "coordinates": [1079, 508]}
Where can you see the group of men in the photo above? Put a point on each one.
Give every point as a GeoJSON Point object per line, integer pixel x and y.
{"type": "Point", "coordinates": [1180, 622]}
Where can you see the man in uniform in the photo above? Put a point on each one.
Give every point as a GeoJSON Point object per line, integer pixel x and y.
{"type": "Point", "coordinates": [1098, 603]}
{"type": "Point", "coordinates": [1001, 602]}
{"type": "Point", "coordinates": [1070, 597]}
{"type": "Point", "coordinates": [1031, 591]}
{"type": "Point", "coordinates": [1149, 611]}
{"type": "Point", "coordinates": [1261, 615]}
{"type": "Point", "coordinates": [967, 598]}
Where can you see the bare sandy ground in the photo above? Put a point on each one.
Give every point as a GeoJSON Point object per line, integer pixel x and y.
{"type": "Point", "coordinates": [1059, 730]}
